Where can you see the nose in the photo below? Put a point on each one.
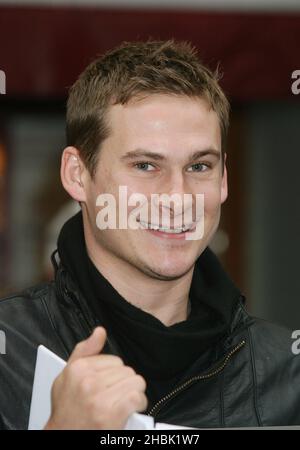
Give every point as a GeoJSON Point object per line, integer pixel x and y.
{"type": "Point", "coordinates": [174, 183]}
{"type": "Point", "coordinates": [171, 196]}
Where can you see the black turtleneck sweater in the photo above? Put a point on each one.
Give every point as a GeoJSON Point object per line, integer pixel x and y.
{"type": "Point", "coordinates": [158, 352]}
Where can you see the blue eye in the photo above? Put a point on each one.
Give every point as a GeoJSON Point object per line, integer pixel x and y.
{"type": "Point", "coordinates": [144, 166]}
{"type": "Point", "coordinates": [198, 167]}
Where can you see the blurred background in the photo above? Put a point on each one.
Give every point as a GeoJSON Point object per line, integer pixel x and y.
{"type": "Point", "coordinates": [44, 46]}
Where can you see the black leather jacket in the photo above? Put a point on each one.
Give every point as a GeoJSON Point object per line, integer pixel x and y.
{"type": "Point", "coordinates": [250, 379]}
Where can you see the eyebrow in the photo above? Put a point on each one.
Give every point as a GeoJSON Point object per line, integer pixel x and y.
{"type": "Point", "coordinates": [159, 157]}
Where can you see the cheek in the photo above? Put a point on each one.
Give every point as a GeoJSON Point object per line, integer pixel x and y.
{"type": "Point", "coordinates": [212, 201]}
{"type": "Point", "coordinates": [212, 211]}
{"type": "Point", "coordinates": [104, 184]}
{"type": "Point", "coordinates": [134, 199]}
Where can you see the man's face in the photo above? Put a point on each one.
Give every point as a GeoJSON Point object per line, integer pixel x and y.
{"type": "Point", "coordinates": [151, 150]}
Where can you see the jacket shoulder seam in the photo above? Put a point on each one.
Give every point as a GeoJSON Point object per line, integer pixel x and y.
{"type": "Point", "coordinates": [28, 294]}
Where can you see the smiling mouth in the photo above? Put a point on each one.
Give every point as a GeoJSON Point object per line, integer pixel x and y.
{"type": "Point", "coordinates": [179, 230]}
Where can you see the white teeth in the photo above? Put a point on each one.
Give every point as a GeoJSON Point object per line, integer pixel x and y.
{"type": "Point", "coordinates": [163, 229]}
{"type": "Point", "coordinates": [168, 230]}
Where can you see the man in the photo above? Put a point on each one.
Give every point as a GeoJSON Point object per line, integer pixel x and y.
{"type": "Point", "coordinates": [146, 317]}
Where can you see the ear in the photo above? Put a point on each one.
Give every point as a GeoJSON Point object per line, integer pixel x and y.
{"type": "Point", "coordinates": [72, 172]}
{"type": "Point", "coordinates": [224, 185]}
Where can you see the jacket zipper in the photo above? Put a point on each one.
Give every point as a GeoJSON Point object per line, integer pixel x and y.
{"type": "Point", "coordinates": [158, 406]}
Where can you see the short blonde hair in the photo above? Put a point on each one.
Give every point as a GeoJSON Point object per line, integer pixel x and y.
{"type": "Point", "coordinates": [130, 70]}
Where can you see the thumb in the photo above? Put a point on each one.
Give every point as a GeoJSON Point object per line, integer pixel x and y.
{"type": "Point", "coordinates": [91, 346]}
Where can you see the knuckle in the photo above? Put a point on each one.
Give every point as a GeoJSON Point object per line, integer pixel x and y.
{"type": "Point", "coordinates": [134, 398]}
{"type": "Point", "coordinates": [129, 370]}
{"type": "Point", "coordinates": [140, 382]}
{"type": "Point", "coordinates": [85, 385]}
{"type": "Point", "coordinates": [117, 360]}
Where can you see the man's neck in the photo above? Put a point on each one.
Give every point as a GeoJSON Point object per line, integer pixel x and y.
{"type": "Point", "coordinates": [168, 301]}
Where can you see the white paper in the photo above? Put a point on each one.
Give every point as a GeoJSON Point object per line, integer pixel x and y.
{"type": "Point", "coordinates": [48, 367]}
